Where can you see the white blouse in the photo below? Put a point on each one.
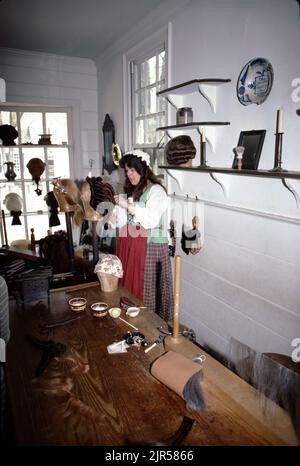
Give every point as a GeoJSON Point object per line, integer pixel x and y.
{"type": "Point", "coordinates": [148, 214]}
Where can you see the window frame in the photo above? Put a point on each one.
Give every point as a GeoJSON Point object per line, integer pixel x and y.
{"type": "Point", "coordinates": [158, 40]}
{"type": "Point", "coordinates": [137, 90]}
{"type": "Point", "coordinates": [21, 181]}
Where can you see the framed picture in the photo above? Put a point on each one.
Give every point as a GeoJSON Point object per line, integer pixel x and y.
{"type": "Point", "coordinates": [253, 143]}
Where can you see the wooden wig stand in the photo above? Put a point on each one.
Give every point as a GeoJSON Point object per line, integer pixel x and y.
{"type": "Point", "coordinates": [91, 215]}
{"type": "Point", "coordinates": [172, 342]}
{"type": "Point", "coordinates": [70, 240]}
{"type": "Point", "coordinates": [4, 229]}
{"type": "Point", "coordinates": [95, 242]}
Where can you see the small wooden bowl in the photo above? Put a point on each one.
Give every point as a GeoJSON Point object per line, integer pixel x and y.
{"type": "Point", "coordinates": [77, 304]}
{"type": "Point", "coordinates": [99, 310]}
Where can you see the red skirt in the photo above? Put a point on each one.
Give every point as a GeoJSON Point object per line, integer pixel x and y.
{"type": "Point", "coordinates": [131, 250]}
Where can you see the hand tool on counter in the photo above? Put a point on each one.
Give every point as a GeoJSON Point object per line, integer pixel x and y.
{"type": "Point", "coordinates": [159, 340]}
{"type": "Point", "coordinates": [46, 327]}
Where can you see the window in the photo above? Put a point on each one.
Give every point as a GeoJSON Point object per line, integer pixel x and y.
{"type": "Point", "coordinates": [31, 122]}
{"type": "Point", "coordinates": [148, 76]}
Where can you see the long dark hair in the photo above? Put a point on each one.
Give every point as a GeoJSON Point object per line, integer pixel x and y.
{"type": "Point", "coordinates": [132, 161]}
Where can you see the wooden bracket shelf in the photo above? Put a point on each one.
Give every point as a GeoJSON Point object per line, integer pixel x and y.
{"type": "Point", "coordinates": [206, 88]}
{"type": "Point", "coordinates": [282, 175]}
{"type": "Point", "coordinates": [193, 125]}
{"type": "Point", "coordinates": [231, 171]}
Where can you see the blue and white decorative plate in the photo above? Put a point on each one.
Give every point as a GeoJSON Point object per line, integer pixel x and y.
{"type": "Point", "coordinates": [255, 82]}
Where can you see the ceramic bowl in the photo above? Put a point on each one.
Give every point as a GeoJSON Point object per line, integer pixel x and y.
{"type": "Point", "coordinates": [99, 310]}
{"type": "Point", "coordinates": [133, 311]}
{"type": "Point", "coordinates": [77, 304]}
{"type": "Point", "coordinates": [115, 312]}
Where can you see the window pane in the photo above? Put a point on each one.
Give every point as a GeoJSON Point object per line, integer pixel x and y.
{"type": "Point", "coordinates": [31, 127]}
{"type": "Point", "coordinates": [152, 100]}
{"type": "Point", "coordinates": [151, 70]}
{"type": "Point", "coordinates": [140, 132]}
{"type": "Point", "coordinates": [161, 102]}
{"type": "Point", "coordinates": [30, 153]}
{"type": "Point", "coordinates": [161, 65]}
{"type": "Point", "coordinates": [8, 118]}
{"type": "Point", "coordinates": [58, 162]}
{"type": "Point", "coordinates": [141, 75]}
{"type": "Point", "coordinates": [148, 78]}
{"type": "Point", "coordinates": [15, 231]}
{"type": "Point", "coordinates": [151, 131]}
{"type": "Point", "coordinates": [141, 110]}
{"type": "Point", "coordinates": [9, 154]}
{"type": "Point", "coordinates": [56, 125]}
{"type": "Point", "coordinates": [34, 202]}
{"type": "Point", "coordinates": [40, 224]}
{"type": "Point", "coordinates": [10, 187]}
{"type": "Point", "coordinates": [161, 120]}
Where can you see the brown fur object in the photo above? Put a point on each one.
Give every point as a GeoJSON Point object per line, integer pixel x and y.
{"type": "Point", "coordinates": [68, 197]}
{"type": "Point", "coordinates": [180, 150]}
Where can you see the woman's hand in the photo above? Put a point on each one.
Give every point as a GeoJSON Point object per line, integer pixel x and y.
{"type": "Point", "coordinates": [119, 200]}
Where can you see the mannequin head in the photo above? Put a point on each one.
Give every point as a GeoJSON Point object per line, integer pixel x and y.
{"type": "Point", "coordinates": [68, 196]}
{"type": "Point", "coordinates": [109, 269]}
{"type": "Point", "coordinates": [13, 203]}
{"type": "Point", "coordinates": [89, 213]}
{"type": "Point", "coordinates": [52, 203]}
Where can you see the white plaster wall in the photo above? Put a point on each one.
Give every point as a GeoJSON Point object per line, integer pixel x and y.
{"type": "Point", "coordinates": [245, 282]}
{"type": "Point", "coordinates": [33, 77]}
{"type": "Point", "coordinates": [111, 98]}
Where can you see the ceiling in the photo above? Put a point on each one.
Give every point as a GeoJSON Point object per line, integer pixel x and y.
{"type": "Point", "coordinates": [69, 27]}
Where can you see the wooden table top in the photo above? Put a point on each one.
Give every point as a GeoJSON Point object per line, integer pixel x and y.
{"type": "Point", "coordinates": [21, 253]}
{"type": "Point", "coordinates": [90, 397]}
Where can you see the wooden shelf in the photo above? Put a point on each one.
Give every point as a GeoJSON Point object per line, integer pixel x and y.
{"type": "Point", "coordinates": [192, 86]}
{"type": "Point", "coordinates": [231, 171]}
{"type": "Point", "coordinates": [193, 125]}
{"type": "Point", "coordinates": [34, 145]}
{"type": "Point", "coordinates": [26, 180]}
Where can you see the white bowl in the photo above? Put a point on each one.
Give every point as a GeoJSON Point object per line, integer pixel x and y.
{"type": "Point", "coordinates": [133, 311]}
{"type": "Point", "coordinates": [77, 304]}
{"type": "Point", "coordinates": [114, 312]}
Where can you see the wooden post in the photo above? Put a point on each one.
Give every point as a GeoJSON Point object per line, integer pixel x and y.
{"type": "Point", "coordinates": [32, 240]}
{"type": "Point", "coordinates": [95, 242]}
{"type": "Point", "coordinates": [176, 296]}
{"type": "Point", "coordinates": [70, 240]}
{"type": "Point", "coordinates": [4, 228]}
{"type": "Point", "coordinates": [175, 339]}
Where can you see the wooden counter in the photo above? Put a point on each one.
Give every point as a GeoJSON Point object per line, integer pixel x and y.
{"type": "Point", "coordinates": [26, 254]}
{"type": "Point", "coordinates": [90, 397]}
